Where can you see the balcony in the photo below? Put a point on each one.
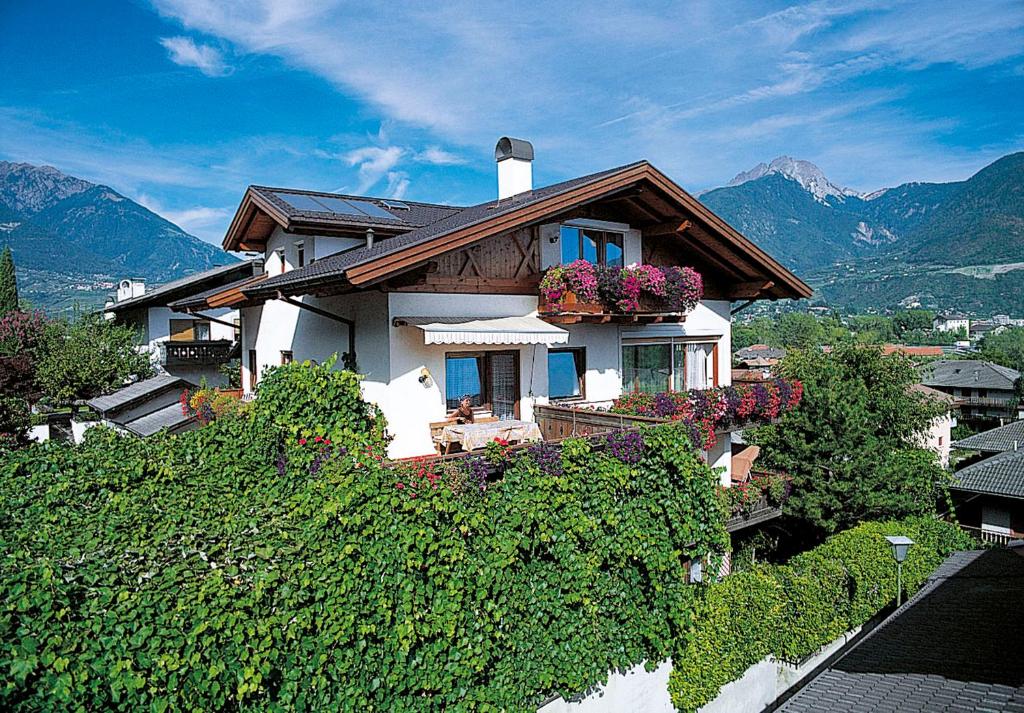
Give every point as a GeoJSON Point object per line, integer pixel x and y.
{"type": "Point", "coordinates": [196, 353]}
{"type": "Point", "coordinates": [762, 511]}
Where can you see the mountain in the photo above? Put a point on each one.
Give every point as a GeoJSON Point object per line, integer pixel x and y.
{"type": "Point", "coordinates": [890, 246]}
{"type": "Point", "coordinates": [73, 239]}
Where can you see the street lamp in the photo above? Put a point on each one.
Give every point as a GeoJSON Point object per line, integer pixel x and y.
{"type": "Point", "coordinates": [900, 545]}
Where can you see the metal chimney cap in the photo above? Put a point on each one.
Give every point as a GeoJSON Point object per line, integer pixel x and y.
{"type": "Point", "coordinates": [513, 148]}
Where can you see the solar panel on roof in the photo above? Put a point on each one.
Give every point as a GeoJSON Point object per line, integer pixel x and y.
{"type": "Point", "coordinates": [372, 210]}
{"type": "Point", "coordinates": [338, 205]}
{"type": "Point", "coordinates": [300, 201]}
{"type": "Point", "coordinates": [395, 204]}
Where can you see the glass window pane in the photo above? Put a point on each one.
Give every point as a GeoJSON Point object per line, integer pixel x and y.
{"type": "Point", "coordinates": [613, 249]}
{"type": "Point", "coordinates": [563, 378]}
{"type": "Point", "coordinates": [698, 366]}
{"type": "Point", "coordinates": [570, 244]}
{"type": "Point", "coordinates": [646, 367]}
{"type": "Point", "coordinates": [678, 366]}
{"type": "Point", "coordinates": [590, 240]}
{"type": "Point", "coordinates": [462, 377]}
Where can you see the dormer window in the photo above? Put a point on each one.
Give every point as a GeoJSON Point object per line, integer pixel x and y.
{"type": "Point", "coordinates": [600, 247]}
{"type": "Point", "coordinates": [300, 254]}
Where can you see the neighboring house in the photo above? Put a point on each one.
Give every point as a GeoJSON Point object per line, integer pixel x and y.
{"type": "Point", "coordinates": [981, 329]}
{"type": "Point", "coordinates": [192, 346]}
{"type": "Point", "coordinates": [984, 392]}
{"type": "Point", "coordinates": [952, 322]}
{"type": "Point", "coordinates": [433, 302]}
{"type": "Point", "coordinates": [938, 437]}
{"type": "Point", "coordinates": [989, 496]}
{"type": "Point", "coordinates": [758, 356]}
{"type": "Point", "coordinates": [912, 352]}
{"type": "Point", "coordinates": [145, 407]}
{"type": "Point", "coordinates": [997, 440]}
{"type": "Point", "coordinates": [944, 650]}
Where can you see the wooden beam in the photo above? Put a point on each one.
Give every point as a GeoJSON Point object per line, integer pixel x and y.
{"type": "Point", "coordinates": [748, 290]}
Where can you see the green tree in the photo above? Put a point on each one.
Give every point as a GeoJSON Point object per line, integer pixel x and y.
{"type": "Point", "coordinates": [756, 331]}
{"type": "Point", "coordinates": [911, 320]}
{"type": "Point", "coordinates": [850, 446]}
{"type": "Point", "coordinates": [796, 330]}
{"type": "Point", "coordinates": [1005, 348]}
{"type": "Point", "coordinates": [89, 356]}
{"type": "Point", "coordinates": [8, 282]}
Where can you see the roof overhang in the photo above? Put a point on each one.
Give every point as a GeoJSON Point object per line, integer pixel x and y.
{"type": "Point", "coordinates": [471, 330]}
{"type": "Point", "coordinates": [712, 235]}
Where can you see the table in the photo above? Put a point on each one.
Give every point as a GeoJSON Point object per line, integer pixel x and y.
{"type": "Point", "coordinates": [477, 435]}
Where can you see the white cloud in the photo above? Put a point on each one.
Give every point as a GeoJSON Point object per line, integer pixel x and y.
{"type": "Point", "coordinates": [185, 52]}
{"type": "Point", "coordinates": [374, 163]}
{"type": "Point", "coordinates": [437, 156]}
{"type": "Point", "coordinates": [398, 184]}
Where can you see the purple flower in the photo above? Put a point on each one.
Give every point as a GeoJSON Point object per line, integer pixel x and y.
{"type": "Point", "coordinates": [476, 470]}
{"type": "Point", "coordinates": [548, 457]}
{"type": "Point", "coordinates": [626, 446]}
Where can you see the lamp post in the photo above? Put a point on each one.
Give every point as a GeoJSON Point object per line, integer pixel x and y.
{"type": "Point", "coordinates": [900, 545]}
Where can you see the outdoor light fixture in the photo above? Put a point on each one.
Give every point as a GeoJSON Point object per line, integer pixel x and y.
{"type": "Point", "coordinates": [425, 378]}
{"type": "Point", "coordinates": [900, 546]}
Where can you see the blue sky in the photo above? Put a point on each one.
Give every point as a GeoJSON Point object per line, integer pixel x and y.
{"type": "Point", "coordinates": [182, 103]}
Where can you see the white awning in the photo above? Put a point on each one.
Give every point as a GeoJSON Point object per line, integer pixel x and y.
{"type": "Point", "coordinates": [500, 330]}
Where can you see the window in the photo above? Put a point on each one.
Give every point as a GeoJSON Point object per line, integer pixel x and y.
{"type": "Point", "coordinates": [652, 366]}
{"type": "Point", "coordinates": [566, 370]}
{"type": "Point", "coordinates": [182, 330]}
{"type": "Point", "coordinates": [280, 261]}
{"type": "Point", "coordinates": [597, 246]}
{"type": "Point", "coordinates": [253, 369]}
{"type": "Point", "coordinates": [202, 331]}
{"type": "Point", "coordinates": [490, 379]}
{"type": "Point", "coordinates": [287, 357]}
{"type": "Point", "coordinates": [300, 254]}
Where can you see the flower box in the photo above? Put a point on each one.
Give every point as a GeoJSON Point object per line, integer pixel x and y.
{"type": "Point", "coordinates": [582, 287]}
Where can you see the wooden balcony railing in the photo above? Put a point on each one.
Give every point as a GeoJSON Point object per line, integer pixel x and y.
{"type": "Point", "coordinates": [196, 353]}
{"type": "Point", "coordinates": [761, 512]}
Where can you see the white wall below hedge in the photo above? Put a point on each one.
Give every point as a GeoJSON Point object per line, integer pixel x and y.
{"type": "Point", "coordinates": [641, 691]}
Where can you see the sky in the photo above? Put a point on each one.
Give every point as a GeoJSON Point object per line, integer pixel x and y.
{"type": "Point", "coordinates": [180, 104]}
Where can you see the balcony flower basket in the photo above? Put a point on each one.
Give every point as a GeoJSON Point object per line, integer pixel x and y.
{"type": "Point", "coordinates": [581, 286]}
{"type": "Point", "coordinates": [570, 288]}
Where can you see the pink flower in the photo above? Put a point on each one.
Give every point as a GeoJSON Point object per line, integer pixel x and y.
{"type": "Point", "coordinates": [400, 486]}
{"type": "Point", "coordinates": [302, 441]}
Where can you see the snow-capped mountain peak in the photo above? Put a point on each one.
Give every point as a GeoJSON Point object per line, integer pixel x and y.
{"type": "Point", "coordinates": [803, 172]}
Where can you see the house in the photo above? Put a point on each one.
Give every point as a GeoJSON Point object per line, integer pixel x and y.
{"type": "Point", "coordinates": [982, 328]}
{"type": "Point", "coordinates": [145, 407]}
{"type": "Point", "coordinates": [192, 345]}
{"type": "Point", "coordinates": [758, 356]}
{"type": "Point", "coordinates": [951, 322]}
{"type": "Point", "coordinates": [938, 437]}
{"type": "Point", "coordinates": [923, 352]}
{"type": "Point", "coordinates": [988, 494]}
{"type": "Point", "coordinates": [984, 392]}
{"type": "Point", "coordinates": [434, 302]}
{"type": "Point", "coordinates": [944, 650]}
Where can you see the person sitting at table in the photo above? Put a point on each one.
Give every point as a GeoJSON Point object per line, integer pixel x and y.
{"type": "Point", "coordinates": [464, 413]}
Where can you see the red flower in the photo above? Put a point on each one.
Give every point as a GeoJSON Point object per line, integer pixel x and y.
{"type": "Point", "coordinates": [400, 486]}
{"type": "Point", "coordinates": [302, 441]}
{"type": "Point", "coordinates": [327, 441]}
{"type": "Point", "coordinates": [317, 439]}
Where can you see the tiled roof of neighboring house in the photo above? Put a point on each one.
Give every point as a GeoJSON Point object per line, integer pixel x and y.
{"type": "Point", "coordinates": [177, 289]}
{"type": "Point", "coordinates": [947, 649]}
{"type": "Point", "coordinates": [911, 351]}
{"type": "Point", "coordinates": [135, 393]}
{"type": "Point", "coordinates": [1002, 474]}
{"type": "Point", "coordinates": [933, 393]}
{"type": "Point", "coordinates": [169, 418]}
{"type": "Point", "coordinates": [968, 373]}
{"type": "Point", "coordinates": [1004, 438]}
{"type": "Point", "coordinates": [198, 300]}
{"type": "Point", "coordinates": [760, 351]}
{"type": "Point", "coordinates": [334, 266]}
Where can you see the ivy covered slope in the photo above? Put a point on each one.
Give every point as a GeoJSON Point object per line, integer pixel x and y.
{"type": "Point", "coordinates": [790, 611]}
{"type": "Point", "coordinates": [271, 561]}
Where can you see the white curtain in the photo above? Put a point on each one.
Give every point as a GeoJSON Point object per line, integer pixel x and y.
{"type": "Point", "coordinates": [698, 366]}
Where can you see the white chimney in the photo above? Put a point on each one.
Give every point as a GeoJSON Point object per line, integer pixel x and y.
{"type": "Point", "coordinates": [126, 289]}
{"type": "Point", "coordinates": [515, 166]}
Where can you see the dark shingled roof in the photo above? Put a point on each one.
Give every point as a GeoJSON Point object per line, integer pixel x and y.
{"type": "Point", "coordinates": [1002, 474]}
{"type": "Point", "coordinates": [950, 648]}
{"type": "Point", "coordinates": [334, 266]}
{"type": "Point", "coordinates": [1005, 438]}
{"type": "Point", "coordinates": [968, 373]}
{"type": "Point", "coordinates": [198, 300]}
{"type": "Point", "coordinates": [135, 393]}
{"type": "Point", "coordinates": [170, 418]}
{"type": "Point", "coordinates": [179, 288]}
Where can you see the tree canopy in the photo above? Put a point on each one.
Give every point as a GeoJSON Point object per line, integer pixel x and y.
{"type": "Point", "coordinates": [851, 445]}
{"type": "Point", "coordinates": [8, 282]}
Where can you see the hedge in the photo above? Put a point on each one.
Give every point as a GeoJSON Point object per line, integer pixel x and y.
{"type": "Point", "coordinates": [271, 561]}
{"type": "Point", "coordinates": [790, 611]}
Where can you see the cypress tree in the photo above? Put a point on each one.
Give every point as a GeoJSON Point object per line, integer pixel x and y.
{"type": "Point", "coordinates": [8, 282]}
